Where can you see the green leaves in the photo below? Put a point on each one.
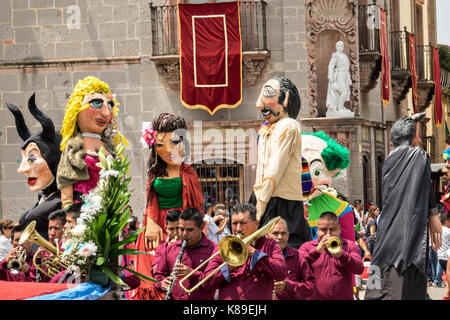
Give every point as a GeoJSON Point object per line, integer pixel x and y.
{"type": "Point", "coordinates": [110, 221]}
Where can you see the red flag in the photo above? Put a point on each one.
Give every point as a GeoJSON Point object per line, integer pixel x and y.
{"type": "Point", "coordinates": [386, 62]}
{"type": "Point", "coordinates": [210, 56]}
{"type": "Point", "coordinates": [412, 64]}
{"type": "Point", "coordinates": [437, 86]}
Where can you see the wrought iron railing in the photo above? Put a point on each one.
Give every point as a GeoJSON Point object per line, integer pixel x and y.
{"type": "Point", "coordinates": [424, 60]}
{"type": "Point", "coordinates": [400, 51]}
{"type": "Point", "coordinates": [164, 27]}
{"type": "Point", "coordinates": [368, 28]}
{"type": "Point", "coordinates": [221, 181]}
{"type": "Point", "coordinates": [445, 79]}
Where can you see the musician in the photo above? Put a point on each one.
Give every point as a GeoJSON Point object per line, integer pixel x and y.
{"type": "Point", "coordinates": [25, 275]}
{"type": "Point", "coordinates": [300, 281]}
{"type": "Point", "coordinates": [72, 214]}
{"type": "Point", "coordinates": [56, 222]}
{"type": "Point", "coordinates": [333, 272]}
{"type": "Point", "coordinates": [254, 280]}
{"type": "Point", "coordinates": [173, 233]}
{"type": "Point", "coordinates": [198, 249]}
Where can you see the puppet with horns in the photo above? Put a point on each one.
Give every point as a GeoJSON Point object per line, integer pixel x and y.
{"type": "Point", "coordinates": [40, 158]}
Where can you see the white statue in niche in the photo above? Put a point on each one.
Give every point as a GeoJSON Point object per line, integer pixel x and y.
{"type": "Point", "coordinates": [339, 82]}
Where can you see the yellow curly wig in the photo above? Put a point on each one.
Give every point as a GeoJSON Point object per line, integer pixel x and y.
{"type": "Point", "coordinates": [87, 86]}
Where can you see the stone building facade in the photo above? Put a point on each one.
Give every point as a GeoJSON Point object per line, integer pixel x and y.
{"type": "Point", "coordinates": [48, 45]}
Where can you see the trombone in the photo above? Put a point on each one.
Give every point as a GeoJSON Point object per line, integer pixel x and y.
{"type": "Point", "coordinates": [233, 251]}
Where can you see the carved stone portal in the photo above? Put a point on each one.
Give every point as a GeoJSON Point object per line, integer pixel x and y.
{"type": "Point", "coordinates": [329, 21]}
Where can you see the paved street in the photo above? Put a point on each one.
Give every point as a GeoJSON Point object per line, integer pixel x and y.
{"type": "Point", "coordinates": [434, 293]}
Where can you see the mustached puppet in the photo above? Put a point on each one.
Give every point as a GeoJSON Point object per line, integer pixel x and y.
{"type": "Point", "coordinates": [171, 184]}
{"type": "Point", "coordinates": [325, 158]}
{"type": "Point", "coordinates": [40, 158]}
{"type": "Point", "coordinates": [278, 187]}
{"type": "Point", "coordinates": [90, 122]}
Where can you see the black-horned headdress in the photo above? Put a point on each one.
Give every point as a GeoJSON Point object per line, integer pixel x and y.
{"type": "Point", "coordinates": [47, 140]}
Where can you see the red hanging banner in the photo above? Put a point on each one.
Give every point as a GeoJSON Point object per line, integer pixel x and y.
{"type": "Point", "coordinates": [210, 56]}
{"type": "Point", "coordinates": [413, 67]}
{"type": "Point", "coordinates": [437, 86]}
{"type": "Point", "coordinates": [386, 62]}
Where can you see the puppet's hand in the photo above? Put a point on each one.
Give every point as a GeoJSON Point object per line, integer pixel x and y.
{"type": "Point", "coordinates": [435, 228]}
{"type": "Point", "coordinates": [260, 209]}
{"type": "Point", "coordinates": [153, 235]}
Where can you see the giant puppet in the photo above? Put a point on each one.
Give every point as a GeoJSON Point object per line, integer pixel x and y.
{"type": "Point", "coordinates": [278, 187]}
{"type": "Point", "coordinates": [398, 268]}
{"type": "Point", "coordinates": [90, 122]}
{"type": "Point", "coordinates": [40, 158]}
{"type": "Point", "coordinates": [326, 158]}
{"type": "Point", "coordinates": [171, 184]}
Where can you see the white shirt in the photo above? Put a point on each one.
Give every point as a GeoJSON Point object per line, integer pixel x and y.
{"type": "Point", "coordinates": [5, 247]}
{"type": "Point", "coordinates": [445, 247]}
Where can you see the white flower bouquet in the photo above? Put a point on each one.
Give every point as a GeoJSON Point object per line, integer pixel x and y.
{"type": "Point", "coordinates": [94, 242]}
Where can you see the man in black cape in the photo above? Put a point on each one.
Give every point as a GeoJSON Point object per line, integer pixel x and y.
{"type": "Point", "coordinates": [398, 267]}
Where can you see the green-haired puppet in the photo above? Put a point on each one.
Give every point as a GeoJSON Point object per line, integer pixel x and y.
{"type": "Point", "coordinates": [325, 158]}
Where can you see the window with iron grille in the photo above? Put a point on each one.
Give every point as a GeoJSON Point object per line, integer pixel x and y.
{"type": "Point", "coordinates": [222, 181]}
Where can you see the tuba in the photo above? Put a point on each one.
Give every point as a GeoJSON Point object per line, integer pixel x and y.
{"type": "Point", "coordinates": [54, 263]}
{"type": "Point", "coordinates": [15, 265]}
{"type": "Point", "coordinates": [233, 251]}
{"type": "Point", "coordinates": [334, 245]}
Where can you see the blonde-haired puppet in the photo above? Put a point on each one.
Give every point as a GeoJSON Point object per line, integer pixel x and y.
{"type": "Point", "coordinates": [89, 124]}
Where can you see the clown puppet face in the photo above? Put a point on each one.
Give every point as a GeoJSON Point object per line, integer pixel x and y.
{"type": "Point", "coordinates": [321, 177]}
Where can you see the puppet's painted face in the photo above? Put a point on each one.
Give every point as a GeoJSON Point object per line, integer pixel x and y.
{"type": "Point", "coordinates": [99, 114]}
{"type": "Point", "coordinates": [169, 147]}
{"type": "Point", "coordinates": [321, 177]}
{"type": "Point", "coordinates": [268, 101]}
{"type": "Point", "coordinates": [35, 168]}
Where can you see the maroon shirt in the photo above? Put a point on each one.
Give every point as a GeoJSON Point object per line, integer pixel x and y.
{"type": "Point", "coordinates": [333, 275]}
{"type": "Point", "coordinates": [300, 281]}
{"type": "Point", "coordinates": [254, 279]}
{"type": "Point", "coordinates": [192, 258]}
{"type": "Point", "coordinates": [29, 276]}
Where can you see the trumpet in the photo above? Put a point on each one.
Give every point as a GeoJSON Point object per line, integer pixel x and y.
{"type": "Point", "coordinates": [15, 265]}
{"type": "Point", "coordinates": [54, 263]}
{"type": "Point", "coordinates": [334, 245]}
{"type": "Point", "coordinates": [233, 252]}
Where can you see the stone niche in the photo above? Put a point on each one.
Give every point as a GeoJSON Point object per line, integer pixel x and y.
{"type": "Point", "coordinates": [326, 45]}
{"type": "Point", "coordinates": [328, 21]}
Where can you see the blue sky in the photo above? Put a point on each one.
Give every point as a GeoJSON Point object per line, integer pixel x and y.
{"type": "Point", "coordinates": [443, 21]}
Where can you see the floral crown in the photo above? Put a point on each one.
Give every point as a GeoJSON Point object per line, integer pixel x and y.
{"type": "Point", "coordinates": [148, 134]}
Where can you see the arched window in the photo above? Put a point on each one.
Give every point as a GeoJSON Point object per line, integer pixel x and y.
{"type": "Point", "coordinates": [222, 181]}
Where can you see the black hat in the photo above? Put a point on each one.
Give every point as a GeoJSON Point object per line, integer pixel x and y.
{"type": "Point", "coordinates": [48, 140]}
